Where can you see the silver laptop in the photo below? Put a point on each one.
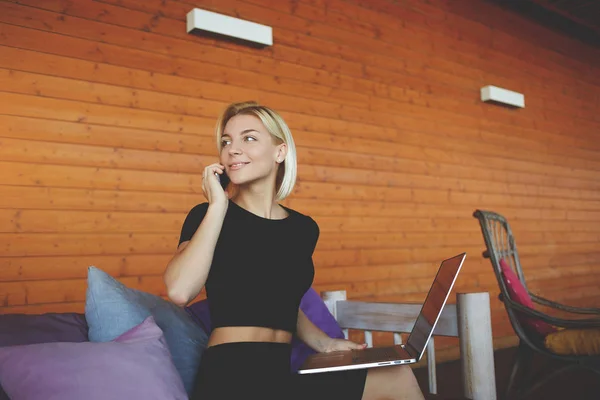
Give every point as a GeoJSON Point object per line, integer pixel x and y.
{"type": "Point", "coordinates": [397, 354]}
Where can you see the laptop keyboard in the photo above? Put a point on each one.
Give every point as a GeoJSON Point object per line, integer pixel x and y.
{"type": "Point", "coordinates": [374, 354]}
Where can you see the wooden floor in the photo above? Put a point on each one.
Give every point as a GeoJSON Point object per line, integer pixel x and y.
{"type": "Point", "coordinates": [575, 384]}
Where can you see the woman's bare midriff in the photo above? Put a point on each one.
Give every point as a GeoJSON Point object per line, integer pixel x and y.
{"type": "Point", "coordinates": [232, 334]}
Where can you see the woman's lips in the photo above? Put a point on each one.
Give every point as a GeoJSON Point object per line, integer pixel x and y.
{"type": "Point", "coordinates": [237, 166]}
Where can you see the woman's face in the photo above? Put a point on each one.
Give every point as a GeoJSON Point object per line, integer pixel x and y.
{"type": "Point", "coordinates": [249, 152]}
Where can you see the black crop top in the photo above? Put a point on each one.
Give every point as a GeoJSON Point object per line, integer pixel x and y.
{"type": "Point", "coordinates": [261, 267]}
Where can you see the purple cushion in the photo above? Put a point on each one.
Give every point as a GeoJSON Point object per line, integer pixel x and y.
{"type": "Point", "coordinates": [136, 365]}
{"type": "Point", "coordinates": [22, 329]}
{"type": "Point", "coordinates": [18, 329]}
{"type": "Point", "coordinates": [312, 305]}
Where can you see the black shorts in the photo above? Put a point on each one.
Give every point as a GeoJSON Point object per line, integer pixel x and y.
{"type": "Point", "coordinates": [258, 370]}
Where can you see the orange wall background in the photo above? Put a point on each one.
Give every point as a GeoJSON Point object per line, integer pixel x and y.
{"type": "Point", "coordinates": [107, 111]}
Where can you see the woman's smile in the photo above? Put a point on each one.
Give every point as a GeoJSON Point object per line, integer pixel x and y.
{"type": "Point", "coordinates": [237, 165]}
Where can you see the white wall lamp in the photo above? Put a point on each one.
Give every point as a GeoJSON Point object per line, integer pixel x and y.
{"type": "Point", "coordinates": [215, 24]}
{"type": "Point", "coordinates": [501, 96]}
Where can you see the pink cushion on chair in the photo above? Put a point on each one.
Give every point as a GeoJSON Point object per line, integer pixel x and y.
{"type": "Point", "coordinates": [519, 294]}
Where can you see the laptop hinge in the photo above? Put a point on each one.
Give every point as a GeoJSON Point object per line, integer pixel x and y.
{"type": "Point", "coordinates": [411, 350]}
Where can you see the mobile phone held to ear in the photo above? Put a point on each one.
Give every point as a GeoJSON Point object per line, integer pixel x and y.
{"type": "Point", "coordinates": [223, 179]}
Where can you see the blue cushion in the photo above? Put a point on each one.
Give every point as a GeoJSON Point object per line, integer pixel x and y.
{"type": "Point", "coordinates": [111, 309]}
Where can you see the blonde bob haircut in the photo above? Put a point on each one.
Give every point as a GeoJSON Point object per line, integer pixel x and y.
{"type": "Point", "coordinates": [276, 126]}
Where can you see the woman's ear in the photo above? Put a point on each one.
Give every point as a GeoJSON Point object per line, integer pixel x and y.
{"type": "Point", "coordinates": [281, 153]}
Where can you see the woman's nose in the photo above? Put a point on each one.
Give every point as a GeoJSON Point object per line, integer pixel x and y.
{"type": "Point", "coordinates": [234, 149]}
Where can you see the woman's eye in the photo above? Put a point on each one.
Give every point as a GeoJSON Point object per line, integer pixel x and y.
{"type": "Point", "coordinates": [249, 138]}
{"type": "Point", "coordinates": [224, 143]}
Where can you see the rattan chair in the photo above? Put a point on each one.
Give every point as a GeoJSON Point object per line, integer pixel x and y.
{"type": "Point", "coordinates": [500, 243]}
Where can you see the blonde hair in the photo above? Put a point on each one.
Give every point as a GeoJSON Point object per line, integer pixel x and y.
{"type": "Point", "coordinates": [276, 126]}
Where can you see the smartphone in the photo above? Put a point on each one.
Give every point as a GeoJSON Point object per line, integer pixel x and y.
{"type": "Point", "coordinates": [223, 179]}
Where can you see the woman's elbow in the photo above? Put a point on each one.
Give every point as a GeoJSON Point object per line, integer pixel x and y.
{"type": "Point", "coordinates": [175, 294]}
{"type": "Point", "coordinates": [178, 299]}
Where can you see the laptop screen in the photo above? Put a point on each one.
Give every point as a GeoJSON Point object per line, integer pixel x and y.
{"type": "Point", "coordinates": [434, 303]}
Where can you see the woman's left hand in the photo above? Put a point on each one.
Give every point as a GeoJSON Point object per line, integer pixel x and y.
{"type": "Point", "coordinates": [342, 345]}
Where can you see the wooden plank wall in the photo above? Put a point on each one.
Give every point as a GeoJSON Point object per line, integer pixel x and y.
{"type": "Point", "coordinates": [107, 110]}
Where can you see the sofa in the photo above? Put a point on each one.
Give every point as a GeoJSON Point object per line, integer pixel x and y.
{"type": "Point", "coordinates": [127, 344]}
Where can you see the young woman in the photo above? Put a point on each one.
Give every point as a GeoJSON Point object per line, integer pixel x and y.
{"type": "Point", "coordinates": [255, 258]}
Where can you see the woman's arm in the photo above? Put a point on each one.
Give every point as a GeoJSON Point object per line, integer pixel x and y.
{"type": "Point", "coordinates": [188, 270]}
{"type": "Point", "coordinates": [310, 334]}
{"type": "Point", "coordinates": [318, 340]}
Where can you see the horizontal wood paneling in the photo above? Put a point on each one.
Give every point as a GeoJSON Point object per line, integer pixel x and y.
{"type": "Point", "coordinates": [55, 88]}
{"type": "Point", "coordinates": [246, 83]}
{"type": "Point", "coordinates": [44, 221]}
{"type": "Point", "coordinates": [107, 117]}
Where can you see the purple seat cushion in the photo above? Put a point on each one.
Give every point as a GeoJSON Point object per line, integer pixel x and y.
{"type": "Point", "coordinates": [18, 329]}
{"type": "Point", "coordinates": [136, 365]}
{"type": "Point", "coordinates": [312, 305]}
{"type": "Point", "coordinates": [23, 329]}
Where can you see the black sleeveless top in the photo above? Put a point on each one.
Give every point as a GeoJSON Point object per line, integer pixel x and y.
{"type": "Point", "coordinates": [261, 267]}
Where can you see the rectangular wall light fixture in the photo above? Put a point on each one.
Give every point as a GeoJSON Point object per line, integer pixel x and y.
{"type": "Point", "coordinates": [503, 96]}
{"type": "Point", "coordinates": [214, 23]}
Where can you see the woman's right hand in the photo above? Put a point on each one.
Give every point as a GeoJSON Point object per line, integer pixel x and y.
{"type": "Point", "coordinates": [211, 186]}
